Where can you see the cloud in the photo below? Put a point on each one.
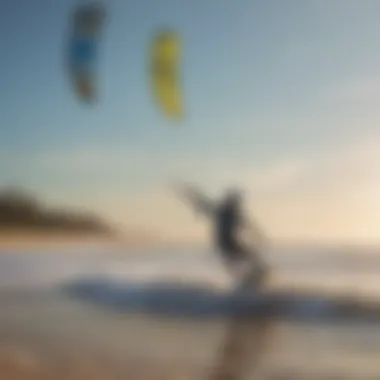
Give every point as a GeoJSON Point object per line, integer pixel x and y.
{"type": "Point", "coordinates": [276, 175]}
{"type": "Point", "coordinates": [364, 91]}
{"type": "Point", "coordinates": [348, 165]}
{"type": "Point", "coordinates": [116, 160]}
{"type": "Point", "coordinates": [91, 159]}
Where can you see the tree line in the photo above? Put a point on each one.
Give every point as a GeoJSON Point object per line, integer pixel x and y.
{"type": "Point", "coordinates": [20, 210]}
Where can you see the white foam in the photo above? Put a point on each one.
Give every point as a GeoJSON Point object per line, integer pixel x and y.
{"type": "Point", "coordinates": [298, 268]}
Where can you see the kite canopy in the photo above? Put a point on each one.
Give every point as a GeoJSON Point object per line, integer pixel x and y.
{"type": "Point", "coordinates": [165, 61]}
{"type": "Point", "coordinates": [86, 27]}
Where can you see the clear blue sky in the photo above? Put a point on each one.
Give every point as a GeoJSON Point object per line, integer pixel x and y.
{"type": "Point", "coordinates": [271, 89]}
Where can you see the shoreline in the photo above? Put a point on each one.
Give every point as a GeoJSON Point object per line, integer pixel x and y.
{"type": "Point", "coordinates": [21, 241]}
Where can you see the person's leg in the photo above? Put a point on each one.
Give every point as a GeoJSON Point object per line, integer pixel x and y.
{"type": "Point", "coordinates": [241, 261]}
{"type": "Point", "coordinates": [237, 260]}
{"type": "Point", "coordinates": [255, 269]}
{"type": "Point", "coordinates": [233, 264]}
{"type": "Point", "coordinates": [244, 272]}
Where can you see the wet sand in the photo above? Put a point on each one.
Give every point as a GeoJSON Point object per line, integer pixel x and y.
{"type": "Point", "coordinates": [45, 335]}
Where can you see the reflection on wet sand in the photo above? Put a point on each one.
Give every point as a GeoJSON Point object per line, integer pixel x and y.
{"type": "Point", "coordinates": [244, 346]}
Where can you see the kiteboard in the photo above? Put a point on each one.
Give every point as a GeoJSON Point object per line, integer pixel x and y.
{"type": "Point", "coordinates": [199, 301]}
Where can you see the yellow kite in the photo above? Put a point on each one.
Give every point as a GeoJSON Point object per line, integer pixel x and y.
{"type": "Point", "coordinates": [165, 55]}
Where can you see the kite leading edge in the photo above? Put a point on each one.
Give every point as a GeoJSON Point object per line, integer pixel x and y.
{"type": "Point", "coordinates": [165, 62]}
{"type": "Point", "coordinates": [86, 27]}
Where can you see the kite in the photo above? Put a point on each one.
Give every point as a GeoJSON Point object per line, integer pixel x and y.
{"type": "Point", "coordinates": [165, 61]}
{"type": "Point", "coordinates": [86, 27]}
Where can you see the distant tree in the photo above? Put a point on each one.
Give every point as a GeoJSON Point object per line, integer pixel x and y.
{"type": "Point", "coordinates": [18, 209]}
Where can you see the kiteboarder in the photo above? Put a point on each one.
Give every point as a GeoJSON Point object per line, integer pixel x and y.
{"type": "Point", "coordinates": [229, 222]}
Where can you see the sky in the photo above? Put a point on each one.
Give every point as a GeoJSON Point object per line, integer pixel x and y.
{"type": "Point", "coordinates": [281, 98]}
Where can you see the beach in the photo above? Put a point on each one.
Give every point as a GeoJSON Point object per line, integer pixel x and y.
{"type": "Point", "coordinates": [43, 333]}
{"type": "Point", "coordinates": [46, 334]}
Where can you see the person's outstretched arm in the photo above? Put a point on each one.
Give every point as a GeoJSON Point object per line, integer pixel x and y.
{"type": "Point", "coordinates": [200, 202]}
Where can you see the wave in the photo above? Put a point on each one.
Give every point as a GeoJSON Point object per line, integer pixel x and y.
{"type": "Point", "coordinates": [205, 300]}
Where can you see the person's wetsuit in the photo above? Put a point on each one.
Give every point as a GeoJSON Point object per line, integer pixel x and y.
{"type": "Point", "coordinates": [228, 221]}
